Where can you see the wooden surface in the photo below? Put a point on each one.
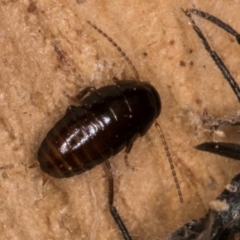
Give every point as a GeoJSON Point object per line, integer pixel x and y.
{"type": "Point", "coordinates": [48, 54]}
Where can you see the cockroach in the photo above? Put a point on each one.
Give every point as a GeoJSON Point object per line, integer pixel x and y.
{"type": "Point", "coordinates": [108, 120]}
{"type": "Point", "coordinates": [230, 150]}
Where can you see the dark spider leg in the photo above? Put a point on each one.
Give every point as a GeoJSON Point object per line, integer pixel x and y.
{"type": "Point", "coordinates": [229, 29]}
{"type": "Point", "coordinates": [112, 209]}
{"type": "Point", "coordinates": [218, 61]}
{"type": "Point", "coordinates": [223, 149]}
{"type": "Point", "coordinates": [230, 150]}
{"type": "Point", "coordinates": [217, 22]}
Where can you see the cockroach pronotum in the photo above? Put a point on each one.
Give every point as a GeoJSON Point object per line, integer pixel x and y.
{"type": "Point", "coordinates": [108, 120]}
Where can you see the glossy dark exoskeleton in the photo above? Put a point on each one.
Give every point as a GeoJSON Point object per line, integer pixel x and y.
{"type": "Point", "coordinates": [230, 150]}
{"type": "Point", "coordinates": [108, 120]}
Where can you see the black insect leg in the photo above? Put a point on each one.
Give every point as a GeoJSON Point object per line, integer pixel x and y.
{"type": "Point", "coordinates": [112, 209]}
{"type": "Point", "coordinates": [217, 22]}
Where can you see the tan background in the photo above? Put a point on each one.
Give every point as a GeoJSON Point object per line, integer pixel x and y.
{"type": "Point", "coordinates": [48, 53]}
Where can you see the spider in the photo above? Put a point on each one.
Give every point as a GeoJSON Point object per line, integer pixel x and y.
{"type": "Point", "coordinates": [219, 223]}
{"type": "Point", "coordinates": [230, 150]}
